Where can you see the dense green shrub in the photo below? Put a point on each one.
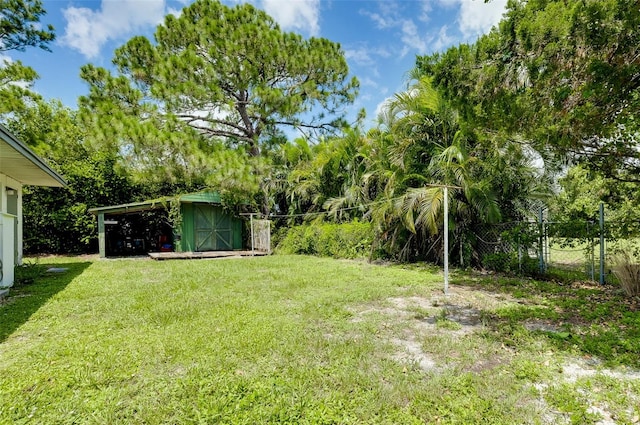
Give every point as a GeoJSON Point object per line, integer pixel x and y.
{"type": "Point", "coordinates": [507, 262]}
{"type": "Point", "coordinates": [345, 240]}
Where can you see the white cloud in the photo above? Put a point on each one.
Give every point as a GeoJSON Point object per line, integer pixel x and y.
{"type": "Point", "coordinates": [425, 12]}
{"type": "Point", "coordinates": [303, 15]}
{"type": "Point", "coordinates": [383, 106]}
{"type": "Point", "coordinates": [477, 17]}
{"type": "Point", "coordinates": [411, 38]}
{"type": "Point", "coordinates": [360, 56]}
{"type": "Point", "coordinates": [364, 55]}
{"type": "Point", "coordinates": [88, 30]}
{"type": "Point", "coordinates": [368, 82]}
{"type": "Point", "coordinates": [388, 16]}
{"type": "Point", "coordinates": [473, 18]}
{"type": "Point", "coordinates": [174, 12]}
{"type": "Point", "coordinates": [392, 15]}
{"type": "Point", "coordinates": [443, 40]}
{"type": "Point", "coordinates": [451, 3]}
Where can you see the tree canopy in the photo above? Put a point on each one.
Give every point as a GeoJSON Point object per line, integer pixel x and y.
{"type": "Point", "coordinates": [229, 73]}
{"type": "Point", "coordinates": [561, 74]}
{"type": "Point", "coordinates": [56, 220]}
{"type": "Point", "coordinates": [392, 175]}
{"type": "Point", "coordinates": [20, 28]}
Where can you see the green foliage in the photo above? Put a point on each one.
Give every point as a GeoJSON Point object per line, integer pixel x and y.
{"type": "Point", "coordinates": [202, 110]}
{"type": "Point", "coordinates": [579, 201]}
{"type": "Point", "coordinates": [509, 262]}
{"type": "Point", "coordinates": [28, 272]}
{"type": "Point", "coordinates": [20, 28]}
{"type": "Point", "coordinates": [344, 240]}
{"type": "Point", "coordinates": [199, 107]}
{"type": "Point", "coordinates": [501, 262]}
{"type": "Point", "coordinates": [15, 96]}
{"type": "Point", "coordinates": [557, 73]}
{"type": "Point", "coordinates": [393, 175]}
{"type": "Point", "coordinates": [56, 220]}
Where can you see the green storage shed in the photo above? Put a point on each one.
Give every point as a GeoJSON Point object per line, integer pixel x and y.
{"type": "Point", "coordinates": [144, 227]}
{"type": "Point", "coordinates": [206, 226]}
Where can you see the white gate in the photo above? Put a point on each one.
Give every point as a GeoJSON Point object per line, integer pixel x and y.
{"type": "Point", "coordinates": [261, 235]}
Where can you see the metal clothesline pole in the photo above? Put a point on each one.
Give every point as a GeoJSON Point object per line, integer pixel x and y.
{"type": "Point", "coordinates": [446, 231]}
{"type": "Point", "coordinates": [446, 240]}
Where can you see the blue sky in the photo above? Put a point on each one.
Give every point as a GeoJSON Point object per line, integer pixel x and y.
{"type": "Point", "coordinates": [380, 38]}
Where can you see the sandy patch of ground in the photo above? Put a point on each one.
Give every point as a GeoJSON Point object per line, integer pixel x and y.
{"type": "Point", "coordinates": [464, 310]}
{"type": "Point", "coordinates": [469, 309]}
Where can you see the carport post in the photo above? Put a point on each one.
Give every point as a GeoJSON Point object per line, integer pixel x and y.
{"type": "Point", "coordinates": [101, 244]}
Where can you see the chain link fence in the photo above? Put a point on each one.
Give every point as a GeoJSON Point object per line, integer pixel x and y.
{"type": "Point", "coordinates": [577, 250]}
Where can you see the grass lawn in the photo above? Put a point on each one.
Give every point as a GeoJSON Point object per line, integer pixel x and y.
{"type": "Point", "coordinates": [294, 339]}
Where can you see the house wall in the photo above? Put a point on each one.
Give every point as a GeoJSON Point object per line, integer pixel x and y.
{"type": "Point", "coordinates": [10, 227]}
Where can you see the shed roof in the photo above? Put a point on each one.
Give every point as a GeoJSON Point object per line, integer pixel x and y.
{"type": "Point", "coordinates": [22, 164]}
{"type": "Point", "coordinates": [202, 197]}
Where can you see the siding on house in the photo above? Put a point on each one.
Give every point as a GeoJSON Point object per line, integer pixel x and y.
{"type": "Point", "coordinates": [19, 166]}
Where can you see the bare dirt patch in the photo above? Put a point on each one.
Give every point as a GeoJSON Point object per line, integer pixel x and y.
{"type": "Point", "coordinates": [410, 351]}
{"type": "Point", "coordinates": [462, 312]}
{"type": "Point", "coordinates": [574, 370]}
{"type": "Point", "coordinates": [467, 307]}
{"type": "Point", "coordinates": [540, 325]}
{"type": "Point", "coordinates": [434, 334]}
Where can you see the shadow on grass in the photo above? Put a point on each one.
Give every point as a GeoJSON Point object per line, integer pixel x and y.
{"type": "Point", "coordinates": [594, 320]}
{"type": "Point", "coordinates": [24, 300]}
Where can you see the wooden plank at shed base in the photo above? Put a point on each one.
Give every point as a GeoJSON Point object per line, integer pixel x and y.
{"type": "Point", "coordinates": [205, 254]}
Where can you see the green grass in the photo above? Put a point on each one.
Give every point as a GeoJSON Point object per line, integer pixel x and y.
{"type": "Point", "coordinates": [291, 339]}
{"type": "Point", "coordinates": [591, 320]}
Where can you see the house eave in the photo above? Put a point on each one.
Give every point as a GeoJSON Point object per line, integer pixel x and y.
{"type": "Point", "coordinates": [23, 165]}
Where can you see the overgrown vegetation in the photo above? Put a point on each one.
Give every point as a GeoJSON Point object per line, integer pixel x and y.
{"type": "Point", "coordinates": [462, 122]}
{"type": "Point", "coordinates": [509, 262]}
{"type": "Point", "coordinates": [344, 240]}
{"type": "Point", "coordinates": [626, 267]}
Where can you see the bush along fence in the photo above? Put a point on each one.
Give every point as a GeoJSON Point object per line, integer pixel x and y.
{"type": "Point", "coordinates": [578, 250]}
{"type": "Point", "coordinates": [344, 240]}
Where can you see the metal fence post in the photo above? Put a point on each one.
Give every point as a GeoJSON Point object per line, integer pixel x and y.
{"type": "Point", "coordinates": [601, 243]}
{"type": "Point", "coordinates": [519, 255]}
{"type": "Point", "coordinates": [591, 266]}
{"type": "Point", "coordinates": [541, 247]}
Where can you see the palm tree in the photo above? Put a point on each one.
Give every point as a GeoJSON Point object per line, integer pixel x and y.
{"type": "Point", "coordinates": [394, 175]}
{"type": "Point", "coordinates": [430, 150]}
